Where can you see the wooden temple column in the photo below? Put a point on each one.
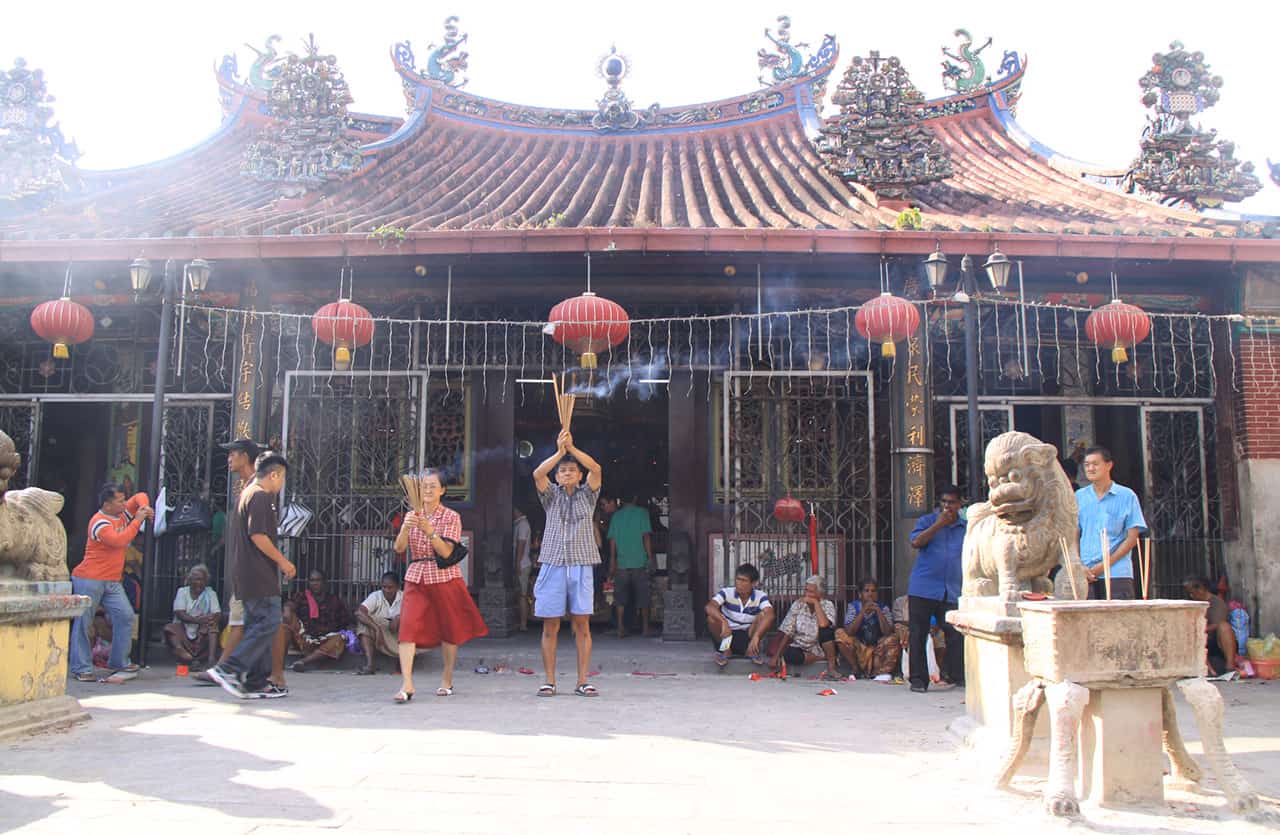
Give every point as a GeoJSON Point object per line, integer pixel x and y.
{"type": "Point", "coordinates": [493, 569]}
{"type": "Point", "coordinates": [911, 450]}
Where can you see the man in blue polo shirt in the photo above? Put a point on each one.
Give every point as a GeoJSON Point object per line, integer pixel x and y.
{"type": "Point", "coordinates": [1105, 505]}
{"type": "Point", "coordinates": [934, 588]}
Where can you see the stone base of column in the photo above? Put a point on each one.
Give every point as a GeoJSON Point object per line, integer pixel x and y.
{"type": "Point", "coordinates": [677, 615]}
{"type": "Point", "coordinates": [499, 610]}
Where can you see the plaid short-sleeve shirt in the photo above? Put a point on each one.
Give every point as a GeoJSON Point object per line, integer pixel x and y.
{"type": "Point", "coordinates": [448, 524]}
{"type": "Point", "coordinates": [569, 538]}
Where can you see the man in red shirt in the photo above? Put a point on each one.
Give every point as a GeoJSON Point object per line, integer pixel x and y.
{"type": "Point", "coordinates": [99, 575]}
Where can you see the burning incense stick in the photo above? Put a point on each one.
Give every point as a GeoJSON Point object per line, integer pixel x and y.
{"type": "Point", "coordinates": [412, 491]}
{"type": "Point", "coordinates": [555, 386]}
{"type": "Point", "coordinates": [1146, 569]}
{"type": "Point", "coordinates": [1066, 566]}
{"type": "Point", "coordinates": [1106, 561]}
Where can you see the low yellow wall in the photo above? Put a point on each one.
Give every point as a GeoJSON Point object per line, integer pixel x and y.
{"type": "Point", "coordinates": [33, 660]}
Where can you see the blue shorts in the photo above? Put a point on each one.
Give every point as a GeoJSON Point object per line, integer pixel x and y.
{"type": "Point", "coordinates": [559, 585]}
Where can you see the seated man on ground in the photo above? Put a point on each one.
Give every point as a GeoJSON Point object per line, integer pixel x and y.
{"type": "Point", "coordinates": [808, 630]}
{"type": "Point", "coordinates": [739, 616]}
{"type": "Point", "coordinates": [1219, 637]}
{"type": "Point", "coordinates": [315, 618]}
{"type": "Point", "coordinates": [868, 642]}
{"type": "Point", "coordinates": [193, 634]}
{"type": "Point", "coordinates": [378, 623]}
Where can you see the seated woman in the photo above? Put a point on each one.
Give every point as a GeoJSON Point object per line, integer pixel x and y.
{"type": "Point", "coordinates": [378, 623]}
{"type": "Point", "coordinates": [193, 634]}
{"type": "Point", "coordinates": [808, 630]}
{"type": "Point", "coordinates": [315, 619]}
{"type": "Point", "coordinates": [868, 642]}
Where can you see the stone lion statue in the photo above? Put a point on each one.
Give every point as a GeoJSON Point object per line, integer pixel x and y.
{"type": "Point", "coordinates": [32, 539]}
{"type": "Point", "coordinates": [1015, 538]}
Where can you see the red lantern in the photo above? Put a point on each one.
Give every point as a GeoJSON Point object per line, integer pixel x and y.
{"type": "Point", "coordinates": [788, 510]}
{"type": "Point", "coordinates": [345, 325]}
{"type": "Point", "coordinates": [1118, 326]}
{"type": "Point", "coordinates": [588, 324]}
{"type": "Point", "coordinates": [887, 319]}
{"type": "Point", "coordinates": [62, 322]}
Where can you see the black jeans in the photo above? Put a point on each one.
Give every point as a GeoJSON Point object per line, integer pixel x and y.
{"type": "Point", "coordinates": [919, 611]}
{"type": "Point", "coordinates": [251, 659]}
{"type": "Point", "coordinates": [1122, 588]}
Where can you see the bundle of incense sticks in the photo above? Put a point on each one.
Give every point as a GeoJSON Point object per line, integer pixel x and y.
{"type": "Point", "coordinates": [564, 402]}
{"type": "Point", "coordinates": [1066, 566]}
{"type": "Point", "coordinates": [1147, 547]}
{"type": "Point", "coordinates": [1106, 561]}
{"type": "Point", "coordinates": [412, 491]}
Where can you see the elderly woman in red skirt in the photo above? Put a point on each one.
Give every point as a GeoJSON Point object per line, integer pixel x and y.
{"type": "Point", "coordinates": [437, 609]}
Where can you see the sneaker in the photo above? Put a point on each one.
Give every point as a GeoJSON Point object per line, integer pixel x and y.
{"type": "Point", "coordinates": [919, 688]}
{"type": "Point", "coordinates": [203, 679]}
{"type": "Point", "coordinates": [228, 681]}
{"type": "Point", "coordinates": [271, 691]}
{"type": "Point", "coordinates": [884, 678]}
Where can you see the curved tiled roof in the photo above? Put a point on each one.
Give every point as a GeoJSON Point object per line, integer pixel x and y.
{"type": "Point", "coordinates": [462, 162]}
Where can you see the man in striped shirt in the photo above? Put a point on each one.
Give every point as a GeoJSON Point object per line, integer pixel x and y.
{"type": "Point", "coordinates": [99, 575]}
{"type": "Point", "coordinates": [739, 616]}
{"type": "Point", "coordinates": [568, 558]}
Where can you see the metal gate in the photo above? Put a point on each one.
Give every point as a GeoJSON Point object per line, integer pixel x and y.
{"type": "Point", "coordinates": [996, 420]}
{"type": "Point", "coordinates": [348, 438]}
{"type": "Point", "coordinates": [20, 420]}
{"type": "Point", "coordinates": [1180, 507]}
{"type": "Point", "coordinates": [810, 435]}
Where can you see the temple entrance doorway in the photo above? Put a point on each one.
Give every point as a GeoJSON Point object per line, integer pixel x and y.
{"type": "Point", "coordinates": [625, 429]}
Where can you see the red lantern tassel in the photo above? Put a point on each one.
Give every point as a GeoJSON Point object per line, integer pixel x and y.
{"type": "Point", "coordinates": [813, 540]}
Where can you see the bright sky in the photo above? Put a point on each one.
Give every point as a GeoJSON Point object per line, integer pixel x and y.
{"type": "Point", "coordinates": [134, 79]}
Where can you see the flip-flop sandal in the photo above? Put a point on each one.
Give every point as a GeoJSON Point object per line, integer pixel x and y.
{"type": "Point", "coordinates": [757, 659]}
{"type": "Point", "coordinates": [586, 690]}
{"type": "Point", "coordinates": [721, 659]}
{"type": "Point", "coordinates": [365, 671]}
{"type": "Point", "coordinates": [444, 691]}
{"type": "Point", "coordinates": [547, 690]}
{"type": "Point", "coordinates": [86, 677]}
{"type": "Point", "coordinates": [129, 668]}
{"type": "Point", "coordinates": [402, 697]}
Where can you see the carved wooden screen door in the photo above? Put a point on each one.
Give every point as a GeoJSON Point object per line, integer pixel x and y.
{"type": "Point", "coordinates": [810, 435]}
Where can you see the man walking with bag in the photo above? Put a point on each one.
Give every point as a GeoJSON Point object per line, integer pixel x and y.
{"type": "Point", "coordinates": [257, 565]}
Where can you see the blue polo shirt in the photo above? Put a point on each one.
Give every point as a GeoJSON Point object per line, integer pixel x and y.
{"type": "Point", "coordinates": [1117, 510]}
{"type": "Point", "coordinates": [937, 574]}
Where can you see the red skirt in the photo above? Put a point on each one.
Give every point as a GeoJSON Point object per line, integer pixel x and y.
{"type": "Point", "coordinates": [436, 613]}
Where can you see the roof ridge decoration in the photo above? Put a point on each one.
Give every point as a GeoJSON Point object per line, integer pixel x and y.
{"type": "Point", "coordinates": [446, 63]}
{"type": "Point", "coordinates": [304, 146]}
{"type": "Point", "coordinates": [974, 73]}
{"type": "Point", "coordinates": [790, 63]}
{"type": "Point", "coordinates": [1183, 162]}
{"type": "Point", "coordinates": [34, 155]}
{"type": "Point", "coordinates": [877, 139]}
{"type": "Point", "coordinates": [613, 110]}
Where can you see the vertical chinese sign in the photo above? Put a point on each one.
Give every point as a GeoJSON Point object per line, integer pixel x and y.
{"type": "Point", "coordinates": [912, 442]}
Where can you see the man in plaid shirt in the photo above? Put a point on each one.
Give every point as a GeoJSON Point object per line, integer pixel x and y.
{"type": "Point", "coordinates": [566, 580]}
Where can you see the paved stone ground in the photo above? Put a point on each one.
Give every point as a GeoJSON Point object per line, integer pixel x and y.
{"type": "Point", "coordinates": [697, 752]}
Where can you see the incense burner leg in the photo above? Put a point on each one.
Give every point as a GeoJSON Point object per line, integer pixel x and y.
{"type": "Point", "coordinates": [1026, 707]}
{"type": "Point", "coordinates": [1206, 703]}
{"type": "Point", "coordinates": [1066, 705]}
{"type": "Point", "coordinates": [1181, 767]}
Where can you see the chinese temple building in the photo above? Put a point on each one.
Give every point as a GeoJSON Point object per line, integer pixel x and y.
{"type": "Point", "coordinates": [814, 284]}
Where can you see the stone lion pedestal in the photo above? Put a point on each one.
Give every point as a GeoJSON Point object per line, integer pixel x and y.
{"type": "Point", "coordinates": [35, 619]}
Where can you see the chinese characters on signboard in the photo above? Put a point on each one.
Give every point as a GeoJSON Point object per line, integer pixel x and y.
{"type": "Point", "coordinates": [912, 440]}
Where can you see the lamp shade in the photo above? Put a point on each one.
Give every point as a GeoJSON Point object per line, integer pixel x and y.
{"type": "Point", "coordinates": [935, 268]}
{"type": "Point", "coordinates": [344, 325]}
{"type": "Point", "coordinates": [140, 274]}
{"type": "Point", "coordinates": [1118, 326]}
{"type": "Point", "coordinates": [588, 324]}
{"type": "Point", "coordinates": [198, 274]}
{"type": "Point", "coordinates": [64, 323]}
{"type": "Point", "coordinates": [887, 319]}
{"type": "Point", "coordinates": [997, 267]}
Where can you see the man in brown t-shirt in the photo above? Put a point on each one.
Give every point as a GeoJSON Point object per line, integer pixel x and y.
{"type": "Point", "coordinates": [255, 580]}
{"type": "Point", "coordinates": [1220, 640]}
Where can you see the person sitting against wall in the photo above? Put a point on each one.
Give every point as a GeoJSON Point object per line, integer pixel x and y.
{"type": "Point", "coordinates": [193, 634]}
{"type": "Point", "coordinates": [315, 618]}
{"type": "Point", "coordinates": [378, 623]}
{"type": "Point", "coordinates": [868, 642]}
{"type": "Point", "coordinates": [808, 631]}
{"type": "Point", "coordinates": [1220, 639]}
